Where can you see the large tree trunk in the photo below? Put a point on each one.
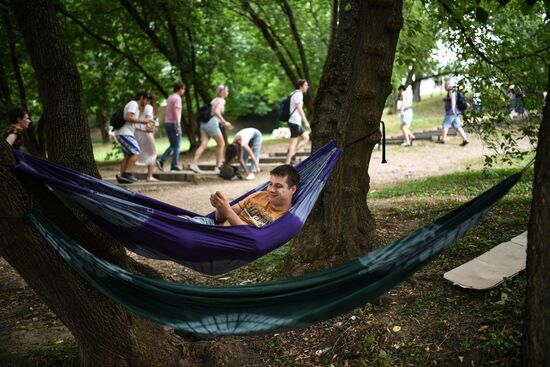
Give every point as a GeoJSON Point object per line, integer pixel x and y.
{"type": "Point", "coordinates": [349, 104]}
{"type": "Point", "coordinates": [106, 333]}
{"type": "Point", "coordinates": [536, 341]}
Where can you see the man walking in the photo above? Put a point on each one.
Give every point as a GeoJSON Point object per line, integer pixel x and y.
{"type": "Point", "coordinates": [172, 125]}
{"type": "Point", "coordinates": [125, 136]}
{"type": "Point", "coordinates": [297, 115]}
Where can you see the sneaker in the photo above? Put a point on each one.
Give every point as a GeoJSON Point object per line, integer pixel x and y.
{"type": "Point", "coordinates": [441, 142]}
{"type": "Point", "coordinates": [195, 168]}
{"type": "Point", "coordinates": [176, 169]}
{"type": "Point", "coordinates": [464, 143]}
{"type": "Point", "coordinates": [160, 165]}
{"type": "Point", "coordinates": [217, 170]}
{"type": "Point", "coordinates": [122, 180]}
{"type": "Point", "coordinates": [130, 177]}
{"type": "Point", "coordinates": [251, 176]}
{"type": "Point", "coordinates": [405, 144]}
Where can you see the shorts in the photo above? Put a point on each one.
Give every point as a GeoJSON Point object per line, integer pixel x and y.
{"type": "Point", "coordinates": [407, 117]}
{"type": "Point", "coordinates": [212, 127]}
{"type": "Point", "coordinates": [201, 220]}
{"type": "Point", "coordinates": [453, 120]}
{"type": "Point", "coordinates": [296, 130]}
{"type": "Point", "coordinates": [129, 144]}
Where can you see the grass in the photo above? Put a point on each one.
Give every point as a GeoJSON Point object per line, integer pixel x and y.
{"type": "Point", "coordinates": [428, 114]}
{"type": "Point", "coordinates": [440, 324]}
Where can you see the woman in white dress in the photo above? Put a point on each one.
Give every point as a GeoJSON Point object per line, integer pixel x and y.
{"type": "Point", "coordinates": [145, 135]}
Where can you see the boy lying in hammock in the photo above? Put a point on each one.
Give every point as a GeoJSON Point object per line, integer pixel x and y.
{"type": "Point", "coordinates": [260, 208]}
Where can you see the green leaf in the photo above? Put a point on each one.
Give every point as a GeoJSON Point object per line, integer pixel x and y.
{"type": "Point", "coordinates": [481, 15]}
{"type": "Point", "coordinates": [347, 7]}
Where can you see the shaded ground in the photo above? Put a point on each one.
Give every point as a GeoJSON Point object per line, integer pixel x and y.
{"type": "Point", "coordinates": [425, 320]}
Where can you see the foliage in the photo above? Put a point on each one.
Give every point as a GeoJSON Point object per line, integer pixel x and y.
{"type": "Point", "coordinates": [499, 45]}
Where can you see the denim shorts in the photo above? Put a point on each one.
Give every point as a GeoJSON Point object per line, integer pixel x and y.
{"type": "Point", "coordinates": [407, 117]}
{"type": "Point", "coordinates": [212, 127]}
{"type": "Point", "coordinates": [453, 120]}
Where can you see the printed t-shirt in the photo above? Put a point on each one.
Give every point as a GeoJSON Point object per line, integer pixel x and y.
{"type": "Point", "coordinates": [257, 210]}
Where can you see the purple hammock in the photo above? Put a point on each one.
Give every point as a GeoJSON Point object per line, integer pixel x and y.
{"type": "Point", "coordinates": [153, 229]}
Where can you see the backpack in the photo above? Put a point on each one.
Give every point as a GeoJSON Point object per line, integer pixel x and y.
{"type": "Point", "coordinates": [205, 113]}
{"type": "Point", "coordinates": [117, 119]}
{"type": "Point", "coordinates": [284, 109]}
{"type": "Point", "coordinates": [461, 102]}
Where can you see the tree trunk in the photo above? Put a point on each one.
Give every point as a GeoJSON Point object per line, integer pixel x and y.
{"type": "Point", "coordinates": [349, 104]}
{"type": "Point", "coordinates": [102, 122]}
{"type": "Point", "coordinates": [106, 333]}
{"type": "Point", "coordinates": [536, 342]}
{"type": "Point", "coordinates": [416, 90]}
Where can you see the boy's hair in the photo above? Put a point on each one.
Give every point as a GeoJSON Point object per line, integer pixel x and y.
{"type": "Point", "coordinates": [16, 113]}
{"type": "Point", "coordinates": [232, 151]}
{"type": "Point", "coordinates": [300, 82]}
{"type": "Point", "coordinates": [178, 86]}
{"type": "Point", "coordinates": [288, 171]}
{"type": "Point", "coordinates": [147, 95]}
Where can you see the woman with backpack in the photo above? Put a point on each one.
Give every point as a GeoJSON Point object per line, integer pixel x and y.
{"type": "Point", "coordinates": [211, 129]}
{"type": "Point", "coordinates": [452, 115]}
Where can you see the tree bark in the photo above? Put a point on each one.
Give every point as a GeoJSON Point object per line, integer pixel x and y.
{"type": "Point", "coordinates": [353, 90]}
{"type": "Point", "coordinates": [536, 341]}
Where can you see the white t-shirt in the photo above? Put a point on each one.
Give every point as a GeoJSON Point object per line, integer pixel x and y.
{"type": "Point", "coordinates": [246, 135]}
{"type": "Point", "coordinates": [218, 102]}
{"type": "Point", "coordinates": [128, 128]}
{"type": "Point", "coordinates": [147, 112]}
{"type": "Point", "coordinates": [296, 99]}
{"type": "Point", "coordinates": [407, 99]}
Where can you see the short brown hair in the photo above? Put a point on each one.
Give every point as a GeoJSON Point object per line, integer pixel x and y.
{"type": "Point", "coordinates": [178, 86]}
{"type": "Point", "coordinates": [288, 171]}
{"type": "Point", "coordinates": [300, 82]}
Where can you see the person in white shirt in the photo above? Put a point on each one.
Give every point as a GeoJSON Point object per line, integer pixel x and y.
{"type": "Point", "coordinates": [145, 135]}
{"type": "Point", "coordinates": [297, 116]}
{"type": "Point", "coordinates": [125, 136]}
{"type": "Point", "coordinates": [404, 105]}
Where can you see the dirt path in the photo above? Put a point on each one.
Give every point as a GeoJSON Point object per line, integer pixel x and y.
{"type": "Point", "coordinates": [424, 159]}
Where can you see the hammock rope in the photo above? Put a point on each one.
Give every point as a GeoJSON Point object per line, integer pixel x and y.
{"type": "Point", "coordinates": [279, 305]}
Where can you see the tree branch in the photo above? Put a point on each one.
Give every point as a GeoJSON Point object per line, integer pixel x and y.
{"type": "Point", "coordinates": [114, 48]}
{"type": "Point", "coordinates": [263, 27]}
{"type": "Point", "coordinates": [469, 39]}
{"type": "Point", "coordinates": [292, 22]}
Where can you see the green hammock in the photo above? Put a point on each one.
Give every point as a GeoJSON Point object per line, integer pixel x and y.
{"type": "Point", "coordinates": [279, 305]}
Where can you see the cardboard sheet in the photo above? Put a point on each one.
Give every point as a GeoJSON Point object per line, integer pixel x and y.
{"type": "Point", "coordinates": [491, 268]}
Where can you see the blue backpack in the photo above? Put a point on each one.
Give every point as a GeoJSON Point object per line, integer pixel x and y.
{"type": "Point", "coordinates": [284, 109]}
{"type": "Point", "coordinates": [461, 102]}
{"type": "Point", "coordinates": [205, 113]}
{"type": "Point", "coordinates": [117, 119]}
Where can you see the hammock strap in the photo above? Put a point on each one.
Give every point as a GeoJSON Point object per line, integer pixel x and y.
{"type": "Point", "coordinates": [370, 134]}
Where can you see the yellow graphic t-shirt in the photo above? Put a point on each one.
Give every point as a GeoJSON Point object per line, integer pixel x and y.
{"type": "Point", "coordinates": [257, 210]}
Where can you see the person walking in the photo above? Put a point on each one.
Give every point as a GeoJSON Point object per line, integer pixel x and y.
{"type": "Point", "coordinates": [19, 121]}
{"type": "Point", "coordinates": [172, 125]}
{"type": "Point", "coordinates": [125, 137]}
{"type": "Point", "coordinates": [452, 115]}
{"type": "Point", "coordinates": [404, 104]}
{"type": "Point", "coordinates": [297, 115]}
{"type": "Point", "coordinates": [211, 129]}
{"type": "Point", "coordinates": [145, 136]}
